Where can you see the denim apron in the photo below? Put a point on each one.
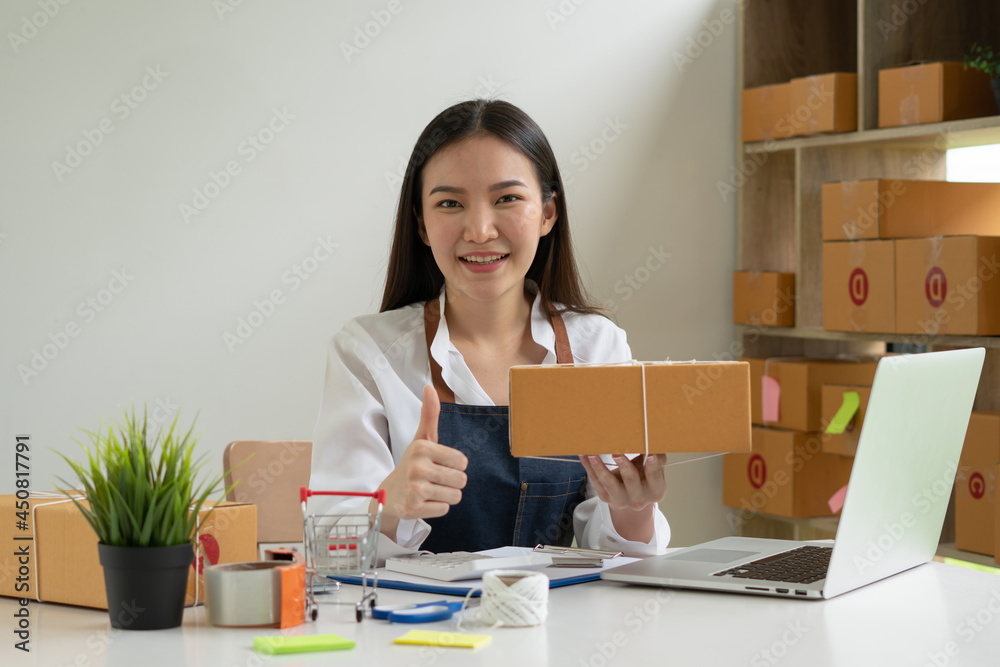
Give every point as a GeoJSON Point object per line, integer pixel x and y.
{"type": "Point", "coordinates": [506, 501]}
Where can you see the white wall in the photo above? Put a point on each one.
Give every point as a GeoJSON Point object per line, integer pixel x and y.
{"type": "Point", "coordinates": [345, 131]}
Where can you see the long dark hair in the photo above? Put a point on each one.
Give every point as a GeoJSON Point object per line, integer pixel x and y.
{"type": "Point", "coordinates": [413, 275]}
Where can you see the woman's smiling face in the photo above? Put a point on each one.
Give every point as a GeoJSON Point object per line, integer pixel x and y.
{"type": "Point", "coordinates": [483, 215]}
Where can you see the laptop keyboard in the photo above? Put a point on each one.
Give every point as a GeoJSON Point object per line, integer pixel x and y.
{"type": "Point", "coordinates": [804, 565]}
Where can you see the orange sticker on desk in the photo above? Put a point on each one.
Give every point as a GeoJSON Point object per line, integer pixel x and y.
{"type": "Point", "coordinates": [770, 398]}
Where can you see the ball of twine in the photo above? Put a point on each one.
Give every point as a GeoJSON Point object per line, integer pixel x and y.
{"type": "Point", "coordinates": [515, 598]}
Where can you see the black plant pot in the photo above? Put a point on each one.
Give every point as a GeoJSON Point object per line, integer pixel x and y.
{"type": "Point", "coordinates": [995, 84]}
{"type": "Point", "coordinates": [146, 585]}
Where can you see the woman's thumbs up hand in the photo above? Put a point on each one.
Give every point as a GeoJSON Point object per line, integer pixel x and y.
{"type": "Point", "coordinates": [429, 477]}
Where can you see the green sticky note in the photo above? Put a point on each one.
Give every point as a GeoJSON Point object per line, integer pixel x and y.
{"type": "Point", "coordinates": [845, 413]}
{"type": "Point", "coordinates": [302, 644]}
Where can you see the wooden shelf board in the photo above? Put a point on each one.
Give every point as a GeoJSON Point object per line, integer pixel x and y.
{"type": "Point", "coordinates": [955, 134]}
{"type": "Point", "coordinates": [861, 337]}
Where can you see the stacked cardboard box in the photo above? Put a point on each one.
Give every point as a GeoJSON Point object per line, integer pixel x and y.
{"type": "Point", "coordinates": [807, 105]}
{"type": "Point", "coordinates": [932, 93]}
{"type": "Point", "coordinates": [913, 257]}
{"type": "Point", "coordinates": [975, 484]}
{"type": "Point", "coordinates": [788, 473]}
{"type": "Point", "coordinates": [764, 298]}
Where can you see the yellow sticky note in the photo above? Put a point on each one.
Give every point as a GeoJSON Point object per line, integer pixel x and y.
{"type": "Point", "coordinates": [452, 639]}
{"type": "Point", "coordinates": [845, 413]}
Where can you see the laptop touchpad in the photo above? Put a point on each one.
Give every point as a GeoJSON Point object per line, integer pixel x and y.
{"type": "Point", "coordinates": [713, 555]}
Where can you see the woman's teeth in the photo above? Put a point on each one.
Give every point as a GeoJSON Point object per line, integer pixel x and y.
{"type": "Point", "coordinates": [488, 259]}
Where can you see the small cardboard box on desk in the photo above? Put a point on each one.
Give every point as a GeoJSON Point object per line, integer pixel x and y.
{"type": "Point", "coordinates": [654, 407]}
{"type": "Point", "coordinates": [61, 564]}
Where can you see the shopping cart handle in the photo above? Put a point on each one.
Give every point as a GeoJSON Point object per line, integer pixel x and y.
{"type": "Point", "coordinates": [305, 493]}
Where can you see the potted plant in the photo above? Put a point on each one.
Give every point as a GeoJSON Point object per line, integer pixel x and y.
{"type": "Point", "coordinates": [984, 59]}
{"type": "Point", "coordinates": [143, 501]}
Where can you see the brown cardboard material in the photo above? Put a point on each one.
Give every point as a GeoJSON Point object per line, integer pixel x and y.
{"type": "Point", "coordinates": [756, 374]}
{"type": "Point", "coordinates": [932, 93]}
{"type": "Point", "coordinates": [996, 524]}
{"type": "Point", "coordinates": [765, 111]}
{"type": "Point", "coordinates": [571, 410]}
{"type": "Point", "coordinates": [801, 382]}
{"type": "Point", "coordinates": [824, 103]}
{"type": "Point", "coordinates": [948, 285]}
{"type": "Point", "coordinates": [786, 474]}
{"type": "Point", "coordinates": [859, 290]}
{"type": "Point", "coordinates": [63, 564]}
{"type": "Point", "coordinates": [846, 443]}
{"type": "Point", "coordinates": [976, 484]}
{"type": "Point", "coordinates": [764, 298]}
{"type": "Point", "coordinates": [896, 208]}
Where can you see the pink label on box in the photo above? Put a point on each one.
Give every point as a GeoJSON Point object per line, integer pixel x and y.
{"type": "Point", "coordinates": [770, 397]}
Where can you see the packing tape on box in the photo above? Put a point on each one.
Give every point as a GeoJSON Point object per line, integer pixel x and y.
{"type": "Point", "coordinates": [257, 593]}
{"type": "Point", "coordinates": [57, 499]}
{"type": "Point", "coordinates": [645, 418]}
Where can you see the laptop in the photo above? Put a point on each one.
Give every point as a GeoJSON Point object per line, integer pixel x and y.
{"type": "Point", "coordinates": [903, 473]}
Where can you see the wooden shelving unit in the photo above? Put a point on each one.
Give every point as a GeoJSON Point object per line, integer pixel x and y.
{"type": "Point", "coordinates": [779, 221]}
{"type": "Point", "coordinates": [779, 201]}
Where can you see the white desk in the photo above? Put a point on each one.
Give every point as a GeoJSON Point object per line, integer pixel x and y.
{"type": "Point", "coordinates": [900, 621]}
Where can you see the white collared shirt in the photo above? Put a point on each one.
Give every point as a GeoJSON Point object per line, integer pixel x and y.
{"type": "Point", "coordinates": [376, 370]}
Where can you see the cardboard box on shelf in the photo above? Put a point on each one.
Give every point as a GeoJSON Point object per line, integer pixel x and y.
{"type": "Point", "coordinates": [599, 409]}
{"type": "Point", "coordinates": [832, 399]}
{"type": "Point", "coordinates": [896, 208]}
{"type": "Point", "coordinates": [798, 383]}
{"type": "Point", "coordinates": [756, 375]}
{"type": "Point", "coordinates": [948, 285]}
{"type": "Point", "coordinates": [764, 298]}
{"type": "Point", "coordinates": [859, 291]}
{"type": "Point", "coordinates": [786, 474]}
{"type": "Point", "coordinates": [765, 112]}
{"type": "Point", "coordinates": [932, 93]}
{"type": "Point", "coordinates": [62, 561]}
{"type": "Point", "coordinates": [824, 103]}
{"type": "Point", "coordinates": [976, 484]}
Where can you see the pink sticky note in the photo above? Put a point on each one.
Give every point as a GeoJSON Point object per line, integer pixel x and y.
{"type": "Point", "coordinates": [836, 501]}
{"type": "Point", "coordinates": [770, 397]}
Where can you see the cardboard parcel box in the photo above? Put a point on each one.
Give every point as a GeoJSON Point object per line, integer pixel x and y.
{"type": "Point", "coordinates": [898, 209]}
{"type": "Point", "coordinates": [932, 93]}
{"type": "Point", "coordinates": [63, 565]}
{"type": "Point", "coordinates": [765, 112]}
{"type": "Point", "coordinates": [786, 474]}
{"type": "Point", "coordinates": [824, 103]}
{"type": "Point", "coordinates": [834, 399]}
{"type": "Point", "coordinates": [948, 285]}
{"type": "Point", "coordinates": [792, 388]}
{"type": "Point", "coordinates": [859, 286]}
{"type": "Point", "coordinates": [558, 410]}
{"type": "Point", "coordinates": [976, 484]}
{"type": "Point", "coordinates": [764, 298]}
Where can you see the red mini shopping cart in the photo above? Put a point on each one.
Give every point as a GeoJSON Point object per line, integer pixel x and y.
{"type": "Point", "coordinates": [342, 543]}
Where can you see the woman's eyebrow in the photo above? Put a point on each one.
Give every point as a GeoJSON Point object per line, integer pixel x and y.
{"type": "Point", "coordinates": [461, 191]}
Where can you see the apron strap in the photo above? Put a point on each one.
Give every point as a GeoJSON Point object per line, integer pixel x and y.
{"type": "Point", "coordinates": [432, 316]}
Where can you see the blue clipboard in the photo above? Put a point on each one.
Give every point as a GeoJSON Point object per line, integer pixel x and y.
{"type": "Point", "coordinates": [451, 589]}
